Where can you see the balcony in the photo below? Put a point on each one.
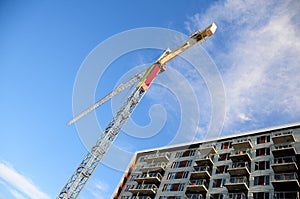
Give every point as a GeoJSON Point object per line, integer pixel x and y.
{"type": "Point", "coordinates": [149, 178]}
{"type": "Point", "coordinates": [286, 195]}
{"type": "Point", "coordinates": [145, 189]}
{"type": "Point", "coordinates": [240, 156]}
{"type": "Point", "coordinates": [286, 182]}
{"type": "Point", "coordinates": [207, 150]}
{"type": "Point", "coordinates": [239, 169]}
{"type": "Point", "coordinates": [237, 184]}
{"type": "Point", "coordinates": [203, 172]}
{"type": "Point", "coordinates": [195, 196]}
{"type": "Point", "coordinates": [279, 150]}
{"type": "Point", "coordinates": [158, 157]}
{"type": "Point", "coordinates": [237, 196]}
{"type": "Point", "coordinates": [204, 161]}
{"type": "Point", "coordinates": [197, 186]}
{"type": "Point", "coordinates": [243, 144]}
{"type": "Point", "coordinates": [284, 164]}
{"type": "Point", "coordinates": [153, 167]}
{"type": "Point", "coordinates": [281, 138]}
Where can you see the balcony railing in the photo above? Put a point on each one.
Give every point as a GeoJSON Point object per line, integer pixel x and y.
{"type": "Point", "coordinates": [197, 186]}
{"type": "Point", "coordinates": [204, 160]}
{"type": "Point", "coordinates": [198, 182]}
{"type": "Point", "coordinates": [195, 196]}
{"type": "Point", "coordinates": [149, 177]}
{"type": "Point", "coordinates": [240, 165]}
{"type": "Point", "coordinates": [202, 168]}
{"type": "Point", "coordinates": [240, 155]}
{"type": "Point", "coordinates": [287, 149]}
{"type": "Point", "coordinates": [239, 180]}
{"type": "Point", "coordinates": [284, 164]}
{"type": "Point", "coordinates": [153, 167]}
{"type": "Point", "coordinates": [283, 160]}
{"type": "Point", "coordinates": [201, 172]}
{"type": "Point", "coordinates": [146, 186]}
{"type": "Point", "coordinates": [283, 137]}
{"type": "Point", "coordinates": [239, 169]}
{"type": "Point", "coordinates": [282, 146]}
{"type": "Point", "coordinates": [286, 182]}
{"type": "Point", "coordinates": [286, 176]}
{"type": "Point", "coordinates": [158, 157]}
{"type": "Point", "coordinates": [286, 195]}
{"type": "Point", "coordinates": [237, 196]}
{"type": "Point", "coordinates": [145, 189]}
{"type": "Point", "coordinates": [240, 152]}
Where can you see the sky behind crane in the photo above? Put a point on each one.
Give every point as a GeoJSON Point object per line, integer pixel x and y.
{"type": "Point", "coordinates": [43, 45]}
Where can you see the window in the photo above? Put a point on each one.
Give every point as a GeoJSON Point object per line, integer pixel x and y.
{"type": "Point", "coordinates": [262, 151]}
{"type": "Point", "coordinates": [173, 187]}
{"type": "Point", "coordinates": [226, 145]}
{"type": "Point", "coordinates": [261, 195]}
{"type": "Point", "coordinates": [217, 183]}
{"type": "Point", "coordinates": [221, 169]}
{"type": "Point", "coordinates": [224, 156]}
{"type": "Point", "coordinates": [177, 175]}
{"type": "Point", "coordinates": [263, 139]}
{"type": "Point", "coordinates": [185, 153]}
{"type": "Point", "coordinates": [171, 175]}
{"type": "Point", "coordinates": [261, 180]}
{"type": "Point", "coordinates": [262, 165]}
{"type": "Point", "coordinates": [186, 163]}
{"type": "Point", "coordinates": [181, 187]}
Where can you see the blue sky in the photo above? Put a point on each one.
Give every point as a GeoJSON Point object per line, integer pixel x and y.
{"type": "Point", "coordinates": [44, 43]}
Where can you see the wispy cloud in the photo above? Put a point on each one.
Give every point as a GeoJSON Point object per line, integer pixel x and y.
{"type": "Point", "coordinates": [98, 189]}
{"type": "Point", "coordinates": [16, 194]}
{"type": "Point", "coordinates": [12, 191]}
{"type": "Point", "coordinates": [19, 185]}
{"type": "Point", "coordinates": [257, 49]}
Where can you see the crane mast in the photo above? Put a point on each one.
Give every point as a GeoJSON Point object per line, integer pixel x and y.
{"type": "Point", "coordinates": [90, 162]}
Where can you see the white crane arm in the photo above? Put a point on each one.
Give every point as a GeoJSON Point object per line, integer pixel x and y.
{"type": "Point", "coordinates": [196, 38]}
{"type": "Point", "coordinates": [119, 89]}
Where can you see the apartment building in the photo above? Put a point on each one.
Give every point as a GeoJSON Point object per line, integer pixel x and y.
{"type": "Point", "coordinates": [262, 164]}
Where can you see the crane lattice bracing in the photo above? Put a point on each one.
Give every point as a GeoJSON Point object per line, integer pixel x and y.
{"type": "Point", "coordinates": [119, 89]}
{"type": "Point", "coordinates": [97, 152]}
{"type": "Point", "coordinates": [90, 162]}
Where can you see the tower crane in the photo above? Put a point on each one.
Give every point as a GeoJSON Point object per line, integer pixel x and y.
{"type": "Point", "coordinates": [94, 156]}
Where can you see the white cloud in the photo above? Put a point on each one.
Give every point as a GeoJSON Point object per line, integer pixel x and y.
{"type": "Point", "coordinates": [256, 47]}
{"type": "Point", "coordinates": [98, 189]}
{"type": "Point", "coordinates": [19, 183]}
{"type": "Point", "coordinates": [12, 191]}
{"type": "Point", "coordinates": [16, 194]}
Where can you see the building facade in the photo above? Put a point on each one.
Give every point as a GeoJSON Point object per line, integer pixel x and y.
{"type": "Point", "coordinates": [261, 164]}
